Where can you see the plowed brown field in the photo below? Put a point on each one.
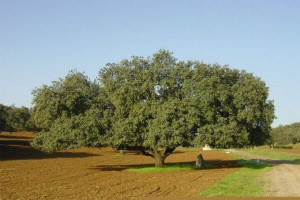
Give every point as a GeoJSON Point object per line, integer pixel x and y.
{"type": "Point", "coordinates": [98, 173]}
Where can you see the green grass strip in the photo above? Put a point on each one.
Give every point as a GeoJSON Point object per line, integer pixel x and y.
{"type": "Point", "coordinates": [119, 154]}
{"type": "Point", "coordinates": [170, 167]}
{"type": "Point", "coordinates": [243, 183]}
{"type": "Point", "coordinates": [274, 154]}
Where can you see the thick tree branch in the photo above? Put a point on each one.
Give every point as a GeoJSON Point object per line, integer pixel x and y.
{"type": "Point", "coordinates": [169, 150]}
{"type": "Point", "coordinates": [145, 153]}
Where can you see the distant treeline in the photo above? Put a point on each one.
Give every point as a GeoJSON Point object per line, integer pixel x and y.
{"type": "Point", "coordinates": [14, 119]}
{"type": "Point", "coordinates": [284, 135]}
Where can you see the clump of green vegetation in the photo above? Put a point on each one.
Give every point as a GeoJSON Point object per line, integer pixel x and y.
{"type": "Point", "coordinates": [167, 168]}
{"type": "Point", "coordinates": [13, 118]}
{"type": "Point", "coordinates": [274, 154]}
{"type": "Point", "coordinates": [282, 136]}
{"type": "Point", "coordinates": [243, 183]}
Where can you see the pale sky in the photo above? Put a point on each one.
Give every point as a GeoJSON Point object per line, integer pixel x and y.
{"type": "Point", "coordinates": [41, 41]}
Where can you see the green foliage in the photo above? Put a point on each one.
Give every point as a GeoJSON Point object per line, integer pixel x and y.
{"type": "Point", "coordinates": [69, 133]}
{"type": "Point", "coordinates": [234, 106]}
{"type": "Point", "coordinates": [30, 124]}
{"type": "Point", "coordinates": [154, 105]}
{"type": "Point", "coordinates": [283, 135]}
{"type": "Point", "coordinates": [66, 113]}
{"type": "Point", "coordinates": [64, 98]}
{"type": "Point", "coordinates": [3, 116]}
{"type": "Point", "coordinates": [13, 118]}
{"type": "Point", "coordinates": [150, 110]}
{"type": "Point", "coordinates": [17, 118]}
{"type": "Point", "coordinates": [160, 103]}
{"type": "Point", "coordinates": [243, 183]}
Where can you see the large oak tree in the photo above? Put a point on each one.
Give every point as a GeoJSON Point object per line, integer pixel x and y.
{"type": "Point", "coordinates": [160, 103]}
{"type": "Point", "coordinates": [154, 105]}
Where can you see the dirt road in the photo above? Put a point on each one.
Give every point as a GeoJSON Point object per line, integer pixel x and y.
{"type": "Point", "coordinates": [284, 176]}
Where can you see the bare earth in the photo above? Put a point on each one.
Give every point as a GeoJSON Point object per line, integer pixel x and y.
{"type": "Point", "coordinates": [99, 173]}
{"type": "Point", "coordinates": [284, 176]}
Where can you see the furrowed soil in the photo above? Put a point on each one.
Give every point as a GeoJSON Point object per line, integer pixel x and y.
{"type": "Point", "coordinates": [99, 173]}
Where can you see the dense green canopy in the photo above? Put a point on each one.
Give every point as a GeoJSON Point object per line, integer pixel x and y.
{"type": "Point", "coordinates": [154, 105]}
{"type": "Point", "coordinates": [283, 135]}
{"type": "Point", "coordinates": [64, 98]}
{"type": "Point", "coordinates": [161, 103]}
{"type": "Point", "coordinates": [65, 112]}
{"type": "Point", "coordinates": [13, 118]}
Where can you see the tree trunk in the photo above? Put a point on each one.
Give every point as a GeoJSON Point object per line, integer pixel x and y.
{"type": "Point", "coordinates": [159, 159]}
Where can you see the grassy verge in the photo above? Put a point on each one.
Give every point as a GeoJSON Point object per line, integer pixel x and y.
{"type": "Point", "coordinates": [272, 153]}
{"type": "Point", "coordinates": [243, 183]}
{"type": "Point", "coordinates": [168, 168]}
